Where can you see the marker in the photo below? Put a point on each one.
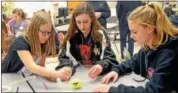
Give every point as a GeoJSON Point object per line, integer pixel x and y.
{"type": "Point", "coordinates": [17, 90]}
{"type": "Point", "coordinates": [45, 85]}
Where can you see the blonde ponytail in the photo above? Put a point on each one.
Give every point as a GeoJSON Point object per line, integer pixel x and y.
{"type": "Point", "coordinates": [152, 14]}
{"type": "Point", "coordinates": [163, 25]}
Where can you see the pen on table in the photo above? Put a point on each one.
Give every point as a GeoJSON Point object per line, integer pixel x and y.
{"type": "Point", "coordinates": [29, 83]}
{"type": "Point", "coordinates": [45, 85]}
{"type": "Point", "coordinates": [17, 90]}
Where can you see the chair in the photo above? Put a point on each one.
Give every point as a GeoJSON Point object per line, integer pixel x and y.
{"type": "Point", "coordinates": [112, 27]}
{"type": "Point", "coordinates": [62, 16]}
{"type": "Point", "coordinates": [108, 39]}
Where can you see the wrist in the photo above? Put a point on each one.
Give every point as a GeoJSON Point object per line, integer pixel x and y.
{"type": "Point", "coordinates": [100, 66]}
{"type": "Point", "coordinates": [54, 74]}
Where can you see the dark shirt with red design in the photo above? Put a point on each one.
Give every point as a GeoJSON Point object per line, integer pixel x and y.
{"type": "Point", "coordinates": [88, 52]}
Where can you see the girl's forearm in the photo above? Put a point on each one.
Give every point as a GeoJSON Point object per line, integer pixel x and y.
{"type": "Point", "coordinates": [42, 71]}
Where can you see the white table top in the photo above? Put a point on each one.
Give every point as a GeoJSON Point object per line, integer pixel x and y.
{"type": "Point", "coordinates": [11, 78]}
{"type": "Point", "coordinates": [63, 28]}
{"type": "Point", "coordinates": [81, 73]}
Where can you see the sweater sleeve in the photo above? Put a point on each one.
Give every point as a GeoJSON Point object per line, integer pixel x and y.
{"type": "Point", "coordinates": [161, 80]}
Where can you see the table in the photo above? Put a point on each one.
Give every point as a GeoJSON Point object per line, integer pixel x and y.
{"type": "Point", "coordinates": [9, 78]}
{"type": "Point", "coordinates": [42, 85]}
{"type": "Point", "coordinates": [62, 28]}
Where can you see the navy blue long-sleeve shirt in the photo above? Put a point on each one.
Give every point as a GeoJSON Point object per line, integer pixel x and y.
{"type": "Point", "coordinates": [160, 66]}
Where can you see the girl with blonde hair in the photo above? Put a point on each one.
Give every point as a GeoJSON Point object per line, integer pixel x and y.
{"type": "Point", "coordinates": [157, 60]}
{"type": "Point", "coordinates": [28, 52]}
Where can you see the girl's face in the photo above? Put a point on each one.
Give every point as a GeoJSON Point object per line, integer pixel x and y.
{"type": "Point", "coordinates": [139, 33]}
{"type": "Point", "coordinates": [83, 22]}
{"type": "Point", "coordinates": [16, 16]}
{"type": "Point", "coordinates": [45, 32]}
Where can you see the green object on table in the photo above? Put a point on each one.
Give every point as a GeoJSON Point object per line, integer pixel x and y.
{"type": "Point", "coordinates": [76, 84]}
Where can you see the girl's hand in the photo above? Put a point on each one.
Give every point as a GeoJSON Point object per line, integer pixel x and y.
{"type": "Point", "coordinates": [110, 76]}
{"type": "Point", "coordinates": [53, 79]}
{"type": "Point", "coordinates": [95, 71]}
{"type": "Point", "coordinates": [65, 73]}
{"type": "Point", "coordinates": [101, 88]}
{"type": "Point", "coordinates": [60, 37]}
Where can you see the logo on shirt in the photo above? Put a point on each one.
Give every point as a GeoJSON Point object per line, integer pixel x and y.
{"type": "Point", "coordinates": [85, 52]}
{"type": "Point", "coordinates": [96, 51]}
{"type": "Point", "coordinates": [150, 72]}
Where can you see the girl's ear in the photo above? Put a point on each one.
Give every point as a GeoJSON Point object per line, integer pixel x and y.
{"type": "Point", "coordinates": [150, 29]}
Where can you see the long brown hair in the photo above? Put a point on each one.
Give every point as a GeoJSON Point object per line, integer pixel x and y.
{"type": "Point", "coordinates": [6, 40]}
{"type": "Point", "coordinates": [32, 34]}
{"type": "Point", "coordinates": [20, 12]}
{"type": "Point", "coordinates": [83, 8]}
{"type": "Point", "coordinates": [152, 14]}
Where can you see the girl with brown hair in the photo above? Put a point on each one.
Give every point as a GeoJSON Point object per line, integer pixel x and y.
{"type": "Point", "coordinates": [6, 39]}
{"type": "Point", "coordinates": [19, 23]}
{"type": "Point", "coordinates": [86, 44]}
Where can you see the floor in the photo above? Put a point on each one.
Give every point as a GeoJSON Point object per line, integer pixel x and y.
{"type": "Point", "coordinates": [117, 47]}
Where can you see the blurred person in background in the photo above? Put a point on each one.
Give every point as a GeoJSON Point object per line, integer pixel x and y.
{"type": "Point", "coordinates": [102, 11]}
{"type": "Point", "coordinates": [123, 8]}
{"type": "Point", "coordinates": [19, 23]}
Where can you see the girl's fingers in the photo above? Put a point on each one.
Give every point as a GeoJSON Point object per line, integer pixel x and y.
{"type": "Point", "coordinates": [89, 72]}
{"type": "Point", "coordinates": [115, 78]}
